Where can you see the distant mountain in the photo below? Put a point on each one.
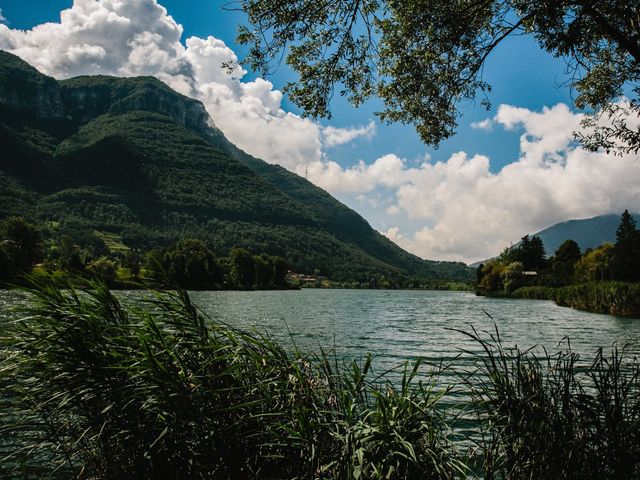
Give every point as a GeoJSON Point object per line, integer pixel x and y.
{"type": "Point", "coordinates": [588, 233]}
{"type": "Point", "coordinates": [131, 157]}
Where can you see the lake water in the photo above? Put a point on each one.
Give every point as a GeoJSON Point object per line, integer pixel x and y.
{"type": "Point", "coordinates": [399, 326]}
{"type": "Point", "coordinates": [396, 326]}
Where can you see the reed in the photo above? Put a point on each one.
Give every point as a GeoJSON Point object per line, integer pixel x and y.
{"type": "Point", "coordinates": [617, 298]}
{"type": "Point", "coordinates": [93, 389]}
{"type": "Point", "coordinates": [553, 417]}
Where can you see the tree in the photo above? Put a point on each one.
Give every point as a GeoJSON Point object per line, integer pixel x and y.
{"type": "Point", "coordinates": [133, 261]}
{"type": "Point", "coordinates": [70, 256]}
{"type": "Point", "coordinates": [242, 268]}
{"type": "Point", "coordinates": [564, 261]}
{"type": "Point", "coordinates": [6, 269]}
{"type": "Point", "coordinates": [492, 276]}
{"type": "Point", "coordinates": [425, 57]}
{"type": "Point", "coordinates": [511, 276]}
{"type": "Point", "coordinates": [21, 244]}
{"type": "Point", "coordinates": [595, 265]}
{"type": "Point", "coordinates": [280, 270]}
{"type": "Point", "coordinates": [626, 252]}
{"type": "Point", "coordinates": [191, 265]}
{"type": "Point", "coordinates": [263, 271]}
{"type": "Point", "coordinates": [530, 252]}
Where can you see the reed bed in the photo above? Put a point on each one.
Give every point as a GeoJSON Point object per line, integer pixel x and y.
{"type": "Point", "coordinates": [616, 298]}
{"type": "Point", "coordinates": [94, 389]}
{"type": "Point", "coordinates": [553, 416]}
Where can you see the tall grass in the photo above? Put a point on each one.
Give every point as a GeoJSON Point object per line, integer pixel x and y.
{"type": "Point", "coordinates": [617, 298]}
{"type": "Point", "coordinates": [92, 389]}
{"type": "Point", "coordinates": [553, 417]}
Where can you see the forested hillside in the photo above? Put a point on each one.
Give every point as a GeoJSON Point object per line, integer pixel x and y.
{"type": "Point", "coordinates": [132, 161]}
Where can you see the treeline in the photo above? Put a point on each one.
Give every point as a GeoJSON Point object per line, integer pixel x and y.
{"type": "Point", "coordinates": [190, 264]}
{"type": "Point", "coordinates": [136, 255]}
{"type": "Point", "coordinates": [604, 279]}
{"type": "Point", "coordinates": [72, 249]}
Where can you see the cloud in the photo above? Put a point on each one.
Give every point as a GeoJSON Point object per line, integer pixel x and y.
{"type": "Point", "coordinates": [457, 209]}
{"type": "Point", "coordinates": [387, 171]}
{"type": "Point", "coordinates": [139, 37]}
{"type": "Point", "coordinates": [2, 17]}
{"type": "Point", "coordinates": [333, 136]}
{"type": "Point", "coordinates": [486, 124]}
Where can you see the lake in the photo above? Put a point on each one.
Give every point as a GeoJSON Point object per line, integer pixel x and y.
{"type": "Point", "coordinates": [400, 325]}
{"type": "Point", "coordinates": [396, 326]}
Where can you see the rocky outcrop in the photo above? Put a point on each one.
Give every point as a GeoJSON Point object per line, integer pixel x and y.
{"type": "Point", "coordinates": [24, 89]}
{"type": "Point", "coordinates": [86, 98]}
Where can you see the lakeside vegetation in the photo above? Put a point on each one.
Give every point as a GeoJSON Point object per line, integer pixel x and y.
{"type": "Point", "coordinates": [602, 280]}
{"type": "Point", "coordinates": [73, 251]}
{"type": "Point", "coordinates": [92, 388]}
{"type": "Point", "coordinates": [71, 248]}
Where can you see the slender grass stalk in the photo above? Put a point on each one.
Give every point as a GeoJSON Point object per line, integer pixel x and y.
{"type": "Point", "coordinates": [551, 416]}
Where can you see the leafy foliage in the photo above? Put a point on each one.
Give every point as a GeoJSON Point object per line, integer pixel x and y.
{"type": "Point", "coordinates": [569, 278]}
{"type": "Point", "coordinates": [626, 252]}
{"type": "Point", "coordinates": [20, 248]}
{"type": "Point", "coordinates": [425, 57]}
{"type": "Point", "coordinates": [563, 262]}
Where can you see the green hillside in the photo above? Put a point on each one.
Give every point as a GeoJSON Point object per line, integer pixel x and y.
{"type": "Point", "coordinates": [131, 157]}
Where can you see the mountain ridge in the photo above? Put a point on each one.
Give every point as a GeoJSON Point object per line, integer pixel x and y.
{"type": "Point", "coordinates": [586, 232]}
{"type": "Point", "coordinates": [122, 154]}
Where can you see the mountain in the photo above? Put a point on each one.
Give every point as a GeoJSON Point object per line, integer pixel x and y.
{"type": "Point", "coordinates": [588, 233]}
{"type": "Point", "coordinates": [129, 157]}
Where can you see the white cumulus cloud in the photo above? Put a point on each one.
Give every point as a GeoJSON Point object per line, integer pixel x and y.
{"type": "Point", "coordinates": [458, 209]}
{"type": "Point", "coordinates": [333, 136]}
{"type": "Point", "coordinates": [486, 124]}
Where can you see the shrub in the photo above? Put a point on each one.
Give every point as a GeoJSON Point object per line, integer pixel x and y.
{"type": "Point", "coordinates": [104, 270]}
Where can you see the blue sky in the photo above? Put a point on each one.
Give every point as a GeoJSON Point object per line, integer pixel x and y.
{"type": "Point", "coordinates": [523, 171]}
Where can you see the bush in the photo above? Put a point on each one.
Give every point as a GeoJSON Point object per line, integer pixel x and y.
{"type": "Point", "coordinates": [104, 270]}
